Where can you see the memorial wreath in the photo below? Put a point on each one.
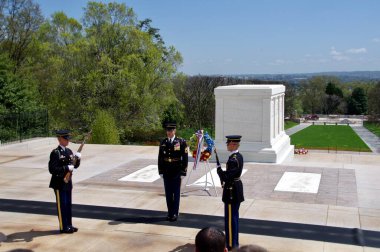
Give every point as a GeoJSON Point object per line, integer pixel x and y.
{"type": "Point", "coordinates": [205, 146]}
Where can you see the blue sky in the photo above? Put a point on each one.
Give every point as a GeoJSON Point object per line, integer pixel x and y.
{"type": "Point", "coordinates": [259, 36]}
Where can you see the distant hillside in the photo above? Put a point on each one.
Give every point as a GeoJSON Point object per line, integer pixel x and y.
{"type": "Point", "coordinates": [297, 77]}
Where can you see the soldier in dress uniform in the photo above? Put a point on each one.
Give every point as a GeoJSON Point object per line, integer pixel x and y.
{"type": "Point", "coordinates": [232, 191]}
{"type": "Point", "coordinates": [172, 166]}
{"type": "Point", "coordinates": [60, 164]}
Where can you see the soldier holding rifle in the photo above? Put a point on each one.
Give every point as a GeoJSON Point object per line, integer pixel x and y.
{"type": "Point", "coordinates": [61, 165]}
{"type": "Point", "coordinates": [232, 190]}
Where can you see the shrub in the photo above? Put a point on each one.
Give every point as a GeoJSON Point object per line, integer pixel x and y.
{"type": "Point", "coordinates": [104, 130]}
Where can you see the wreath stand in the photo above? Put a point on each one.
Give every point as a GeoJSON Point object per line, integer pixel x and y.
{"type": "Point", "coordinates": [206, 166]}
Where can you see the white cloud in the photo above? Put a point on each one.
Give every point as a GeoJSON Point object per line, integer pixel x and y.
{"type": "Point", "coordinates": [278, 62]}
{"type": "Point", "coordinates": [356, 50]}
{"type": "Point", "coordinates": [204, 61]}
{"type": "Point", "coordinates": [334, 52]}
{"type": "Point", "coordinates": [338, 56]}
{"type": "Point", "coordinates": [376, 40]}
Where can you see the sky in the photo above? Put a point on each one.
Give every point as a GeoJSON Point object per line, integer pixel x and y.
{"type": "Point", "coordinates": [259, 36]}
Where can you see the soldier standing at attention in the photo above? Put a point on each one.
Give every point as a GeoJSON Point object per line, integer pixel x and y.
{"type": "Point", "coordinates": [172, 166]}
{"type": "Point", "coordinates": [60, 164]}
{"type": "Point", "coordinates": [232, 191]}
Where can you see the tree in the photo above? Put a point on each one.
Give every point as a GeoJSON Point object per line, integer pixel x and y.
{"type": "Point", "coordinates": [357, 104]}
{"type": "Point", "coordinates": [110, 62]}
{"type": "Point", "coordinates": [334, 97]}
{"type": "Point", "coordinates": [20, 21]}
{"type": "Point", "coordinates": [332, 89]}
{"type": "Point", "coordinates": [291, 100]}
{"type": "Point", "coordinates": [16, 94]}
{"type": "Point", "coordinates": [374, 102]}
{"type": "Point", "coordinates": [312, 93]}
{"type": "Point", "coordinates": [196, 93]}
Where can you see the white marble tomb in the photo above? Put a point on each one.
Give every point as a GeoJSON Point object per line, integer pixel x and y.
{"type": "Point", "coordinates": [257, 113]}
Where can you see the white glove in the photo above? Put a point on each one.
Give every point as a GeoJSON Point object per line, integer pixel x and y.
{"type": "Point", "coordinates": [71, 167]}
{"type": "Point", "coordinates": [78, 155]}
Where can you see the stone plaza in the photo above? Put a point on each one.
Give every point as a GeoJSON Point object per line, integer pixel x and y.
{"type": "Point", "coordinates": [116, 214]}
{"type": "Point", "coordinates": [321, 201]}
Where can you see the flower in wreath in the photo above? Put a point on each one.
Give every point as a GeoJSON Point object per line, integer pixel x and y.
{"type": "Point", "coordinates": [206, 147]}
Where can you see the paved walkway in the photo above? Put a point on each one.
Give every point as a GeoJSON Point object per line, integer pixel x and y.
{"type": "Point", "coordinates": [297, 128]}
{"type": "Point", "coordinates": [128, 216]}
{"type": "Point", "coordinates": [368, 137]}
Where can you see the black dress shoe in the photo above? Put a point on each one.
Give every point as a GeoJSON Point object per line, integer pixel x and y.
{"type": "Point", "coordinates": [174, 218]}
{"type": "Point", "coordinates": [75, 229]}
{"type": "Point", "coordinates": [168, 218]}
{"type": "Point", "coordinates": [67, 231]}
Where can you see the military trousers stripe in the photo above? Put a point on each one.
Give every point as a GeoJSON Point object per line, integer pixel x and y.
{"type": "Point", "coordinates": [58, 200]}
{"type": "Point", "coordinates": [231, 218]}
{"type": "Point", "coordinates": [63, 199]}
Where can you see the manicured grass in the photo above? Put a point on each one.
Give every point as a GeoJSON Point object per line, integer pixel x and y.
{"type": "Point", "coordinates": [333, 137]}
{"type": "Point", "coordinates": [290, 124]}
{"type": "Point", "coordinates": [373, 127]}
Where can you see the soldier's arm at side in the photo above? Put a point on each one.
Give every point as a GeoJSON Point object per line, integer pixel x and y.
{"type": "Point", "coordinates": [185, 158]}
{"type": "Point", "coordinates": [160, 161]}
{"type": "Point", "coordinates": [54, 167]}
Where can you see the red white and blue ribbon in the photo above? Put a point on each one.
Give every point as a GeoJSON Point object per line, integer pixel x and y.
{"type": "Point", "coordinates": [199, 135]}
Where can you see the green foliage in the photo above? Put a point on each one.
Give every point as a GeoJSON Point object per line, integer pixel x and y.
{"type": "Point", "coordinates": [16, 93]}
{"type": "Point", "coordinates": [291, 97]}
{"type": "Point", "coordinates": [332, 89]}
{"type": "Point", "coordinates": [374, 102]}
{"type": "Point", "coordinates": [104, 130]}
{"type": "Point", "coordinates": [19, 22]}
{"type": "Point", "coordinates": [22, 125]}
{"type": "Point", "coordinates": [357, 104]}
{"type": "Point", "coordinates": [339, 137]}
{"type": "Point", "coordinates": [290, 124]}
{"type": "Point", "coordinates": [174, 113]}
{"type": "Point", "coordinates": [187, 133]}
{"type": "Point", "coordinates": [110, 61]}
{"type": "Point", "coordinates": [333, 98]}
{"type": "Point", "coordinates": [374, 127]}
{"type": "Point", "coordinates": [311, 92]}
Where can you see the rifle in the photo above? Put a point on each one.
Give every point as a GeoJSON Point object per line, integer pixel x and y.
{"type": "Point", "coordinates": [218, 166]}
{"type": "Point", "coordinates": [68, 175]}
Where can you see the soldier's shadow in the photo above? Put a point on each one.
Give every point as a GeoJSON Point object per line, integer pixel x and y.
{"type": "Point", "coordinates": [27, 236]}
{"type": "Point", "coordinates": [184, 248]}
{"type": "Point", "coordinates": [146, 220]}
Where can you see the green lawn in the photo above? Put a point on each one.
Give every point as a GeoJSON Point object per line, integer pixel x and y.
{"type": "Point", "coordinates": [373, 127]}
{"type": "Point", "coordinates": [290, 124]}
{"type": "Point", "coordinates": [333, 137]}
